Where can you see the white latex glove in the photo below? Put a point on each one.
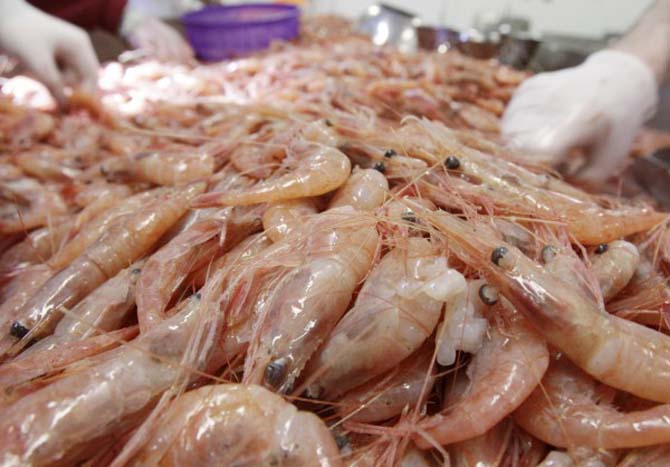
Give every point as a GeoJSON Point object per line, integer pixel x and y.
{"type": "Point", "coordinates": [57, 52]}
{"type": "Point", "coordinates": [599, 105]}
{"type": "Point", "coordinates": [152, 36]}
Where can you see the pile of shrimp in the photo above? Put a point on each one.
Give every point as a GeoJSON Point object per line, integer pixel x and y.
{"type": "Point", "coordinates": [318, 255]}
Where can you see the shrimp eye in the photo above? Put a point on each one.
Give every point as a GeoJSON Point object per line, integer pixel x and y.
{"type": "Point", "coordinates": [548, 253]}
{"type": "Point", "coordinates": [18, 330]}
{"type": "Point", "coordinates": [275, 372]}
{"type": "Point", "coordinates": [602, 248]}
{"type": "Point", "coordinates": [136, 271]}
{"type": "Point", "coordinates": [198, 296]}
{"type": "Point", "coordinates": [488, 294]}
{"type": "Point", "coordinates": [328, 122]}
{"type": "Point", "coordinates": [452, 163]}
{"type": "Point", "coordinates": [390, 153]}
{"type": "Point", "coordinates": [498, 254]}
{"type": "Point", "coordinates": [379, 167]}
{"type": "Point", "coordinates": [409, 216]}
{"type": "Point", "coordinates": [342, 441]}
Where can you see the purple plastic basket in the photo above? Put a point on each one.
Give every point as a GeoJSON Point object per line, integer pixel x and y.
{"type": "Point", "coordinates": [217, 32]}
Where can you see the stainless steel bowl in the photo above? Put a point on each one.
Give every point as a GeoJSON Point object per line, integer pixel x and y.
{"type": "Point", "coordinates": [437, 38]}
{"type": "Point", "coordinates": [386, 24]}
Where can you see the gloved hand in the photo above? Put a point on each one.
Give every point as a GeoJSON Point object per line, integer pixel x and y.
{"type": "Point", "coordinates": [57, 52]}
{"type": "Point", "coordinates": [599, 105]}
{"type": "Point", "coordinates": [145, 31]}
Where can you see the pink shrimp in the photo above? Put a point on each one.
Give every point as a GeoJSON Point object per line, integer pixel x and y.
{"type": "Point", "coordinates": [65, 421]}
{"type": "Point", "coordinates": [233, 424]}
{"type": "Point", "coordinates": [113, 251]}
{"type": "Point", "coordinates": [365, 190]}
{"type": "Point", "coordinates": [48, 163]}
{"type": "Point", "coordinates": [619, 353]}
{"type": "Point", "coordinates": [614, 267]}
{"type": "Point", "coordinates": [162, 167]}
{"type": "Point", "coordinates": [502, 374]}
{"type": "Point", "coordinates": [396, 310]}
{"type": "Point", "coordinates": [567, 411]}
{"type": "Point", "coordinates": [656, 456]}
{"type": "Point", "coordinates": [338, 248]}
{"type": "Point", "coordinates": [38, 246]}
{"type": "Point", "coordinates": [319, 170]}
{"type": "Point", "coordinates": [486, 450]}
{"type": "Point", "coordinates": [28, 204]}
{"type": "Point", "coordinates": [387, 395]}
{"type": "Point", "coordinates": [280, 219]}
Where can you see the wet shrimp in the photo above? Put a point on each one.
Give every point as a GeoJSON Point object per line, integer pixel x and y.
{"type": "Point", "coordinates": [65, 421]}
{"type": "Point", "coordinates": [387, 395]}
{"type": "Point", "coordinates": [283, 218]}
{"type": "Point", "coordinates": [619, 353]}
{"type": "Point", "coordinates": [568, 411]}
{"type": "Point", "coordinates": [114, 250]}
{"type": "Point", "coordinates": [26, 204]}
{"type": "Point", "coordinates": [396, 310]}
{"type": "Point", "coordinates": [501, 375]}
{"type": "Point", "coordinates": [614, 265]}
{"type": "Point", "coordinates": [318, 170]}
{"type": "Point", "coordinates": [485, 450]}
{"type": "Point", "coordinates": [365, 190]}
{"type": "Point", "coordinates": [338, 247]}
{"type": "Point", "coordinates": [202, 426]}
{"type": "Point", "coordinates": [38, 246]}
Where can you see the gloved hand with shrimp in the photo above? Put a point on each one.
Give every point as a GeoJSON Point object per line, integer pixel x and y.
{"type": "Point", "coordinates": [48, 39]}
{"type": "Point", "coordinates": [599, 105]}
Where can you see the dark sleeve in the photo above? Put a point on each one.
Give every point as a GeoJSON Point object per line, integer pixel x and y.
{"type": "Point", "coordinates": [88, 14]}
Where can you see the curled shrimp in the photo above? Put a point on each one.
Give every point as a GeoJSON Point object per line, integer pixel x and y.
{"type": "Point", "coordinates": [365, 190]}
{"type": "Point", "coordinates": [338, 247]}
{"type": "Point", "coordinates": [396, 310]}
{"type": "Point", "coordinates": [619, 353]}
{"type": "Point", "coordinates": [234, 424]}
{"type": "Point", "coordinates": [614, 267]}
{"type": "Point", "coordinates": [567, 411]}
{"type": "Point", "coordinates": [319, 170]}
{"type": "Point", "coordinates": [114, 250]}
{"type": "Point", "coordinates": [387, 395]}
{"type": "Point", "coordinates": [502, 374]}
{"type": "Point", "coordinates": [487, 449]}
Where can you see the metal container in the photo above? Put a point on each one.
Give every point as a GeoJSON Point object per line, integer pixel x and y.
{"type": "Point", "coordinates": [386, 24]}
{"type": "Point", "coordinates": [437, 38]}
{"type": "Point", "coordinates": [517, 51]}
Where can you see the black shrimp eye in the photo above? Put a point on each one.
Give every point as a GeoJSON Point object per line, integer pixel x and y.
{"type": "Point", "coordinates": [498, 254]}
{"type": "Point", "coordinates": [342, 441]}
{"type": "Point", "coordinates": [136, 271]}
{"type": "Point", "coordinates": [379, 167]}
{"type": "Point", "coordinates": [390, 153]}
{"type": "Point", "coordinates": [602, 248]}
{"type": "Point", "coordinates": [409, 216]}
{"type": "Point", "coordinates": [488, 294]}
{"type": "Point", "coordinates": [198, 296]}
{"type": "Point", "coordinates": [18, 330]}
{"type": "Point", "coordinates": [275, 373]}
{"type": "Point", "coordinates": [548, 253]}
{"type": "Point", "coordinates": [452, 163]}
{"type": "Point", "coordinates": [328, 122]}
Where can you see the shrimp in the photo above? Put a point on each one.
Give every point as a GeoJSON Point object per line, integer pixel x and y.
{"type": "Point", "coordinates": [338, 247]}
{"type": "Point", "coordinates": [320, 169]}
{"type": "Point", "coordinates": [28, 204]}
{"type": "Point", "coordinates": [280, 219]}
{"type": "Point", "coordinates": [619, 353]}
{"type": "Point", "coordinates": [166, 269]}
{"type": "Point", "coordinates": [614, 265]}
{"type": "Point", "coordinates": [387, 395]}
{"type": "Point", "coordinates": [656, 456]}
{"type": "Point", "coordinates": [234, 424]}
{"type": "Point", "coordinates": [65, 421]}
{"type": "Point", "coordinates": [49, 164]}
{"type": "Point", "coordinates": [161, 167]}
{"type": "Point", "coordinates": [114, 250]}
{"type": "Point", "coordinates": [38, 246]}
{"type": "Point", "coordinates": [365, 190]}
{"type": "Point", "coordinates": [485, 450]}
{"type": "Point", "coordinates": [49, 359]}
{"type": "Point", "coordinates": [568, 411]}
{"type": "Point", "coordinates": [396, 310]}
{"type": "Point", "coordinates": [502, 374]}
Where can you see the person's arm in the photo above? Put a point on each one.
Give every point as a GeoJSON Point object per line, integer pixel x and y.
{"type": "Point", "coordinates": [649, 39]}
{"type": "Point", "coordinates": [599, 105]}
{"type": "Point", "coordinates": [58, 53]}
